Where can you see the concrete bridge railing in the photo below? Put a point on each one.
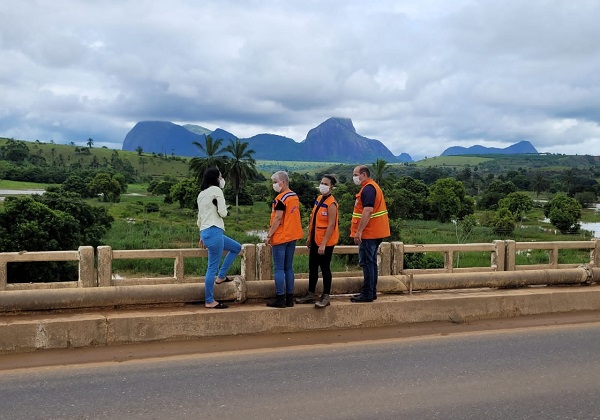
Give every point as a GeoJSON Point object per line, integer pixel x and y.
{"type": "Point", "coordinates": [97, 286]}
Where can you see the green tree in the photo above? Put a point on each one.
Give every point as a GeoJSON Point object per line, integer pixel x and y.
{"type": "Point", "coordinates": [161, 187]}
{"type": "Point", "coordinates": [586, 198]}
{"type": "Point", "coordinates": [78, 185]}
{"type": "Point", "coordinates": [213, 156]}
{"type": "Point", "coordinates": [14, 151]}
{"type": "Point", "coordinates": [139, 150]}
{"type": "Point", "coordinates": [93, 221]}
{"type": "Point", "coordinates": [120, 178]}
{"type": "Point", "coordinates": [518, 204]}
{"type": "Point", "coordinates": [564, 213]}
{"type": "Point", "coordinates": [407, 198]}
{"type": "Point", "coordinates": [504, 222]}
{"type": "Point", "coordinates": [26, 225]}
{"type": "Point", "coordinates": [380, 166]}
{"type": "Point", "coordinates": [447, 200]}
{"type": "Point", "coordinates": [301, 185]}
{"type": "Point", "coordinates": [90, 142]}
{"type": "Point", "coordinates": [54, 221]}
{"type": "Point", "coordinates": [241, 168]}
{"type": "Point", "coordinates": [105, 185]}
{"type": "Point", "coordinates": [186, 193]}
{"type": "Point", "coordinates": [495, 192]}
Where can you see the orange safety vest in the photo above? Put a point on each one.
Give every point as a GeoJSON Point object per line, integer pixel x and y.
{"type": "Point", "coordinates": [290, 228]}
{"type": "Point", "coordinates": [320, 218]}
{"type": "Point", "coordinates": [378, 226]}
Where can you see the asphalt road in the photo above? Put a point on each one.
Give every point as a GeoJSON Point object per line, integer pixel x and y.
{"type": "Point", "coordinates": [549, 372]}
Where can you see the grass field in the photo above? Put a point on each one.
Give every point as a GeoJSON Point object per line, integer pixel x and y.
{"type": "Point", "coordinates": [452, 161]}
{"type": "Point", "coordinates": [271, 166]}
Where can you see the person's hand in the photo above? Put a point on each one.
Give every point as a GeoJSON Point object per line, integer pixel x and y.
{"type": "Point", "coordinates": [201, 244]}
{"type": "Point", "coordinates": [322, 249]}
{"type": "Point", "coordinates": [268, 240]}
{"type": "Point", "coordinates": [358, 238]}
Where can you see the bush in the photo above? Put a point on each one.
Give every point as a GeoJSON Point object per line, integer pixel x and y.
{"type": "Point", "coordinates": [152, 208]}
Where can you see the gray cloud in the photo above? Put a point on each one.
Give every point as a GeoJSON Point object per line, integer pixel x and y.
{"type": "Point", "coordinates": [418, 75]}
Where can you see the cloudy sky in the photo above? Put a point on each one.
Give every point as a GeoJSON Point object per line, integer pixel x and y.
{"type": "Point", "coordinates": [419, 75]}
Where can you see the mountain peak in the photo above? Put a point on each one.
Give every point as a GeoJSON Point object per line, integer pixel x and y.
{"type": "Point", "coordinates": [343, 123]}
{"type": "Point", "coordinates": [336, 140]}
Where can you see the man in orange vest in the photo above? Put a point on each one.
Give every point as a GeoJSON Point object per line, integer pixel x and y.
{"type": "Point", "coordinates": [370, 224]}
{"type": "Point", "coordinates": [284, 230]}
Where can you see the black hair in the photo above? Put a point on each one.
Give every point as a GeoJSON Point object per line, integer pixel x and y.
{"type": "Point", "coordinates": [210, 178]}
{"type": "Point", "coordinates": [332, 178]}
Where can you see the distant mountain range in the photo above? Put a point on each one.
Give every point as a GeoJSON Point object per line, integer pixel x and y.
{"type": "Point", "coordinates": [334, 140]}
{"type": "Point", "coordinates": [517, 148]}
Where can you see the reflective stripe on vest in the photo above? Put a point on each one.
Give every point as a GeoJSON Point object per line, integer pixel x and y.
{"type": "Point", "coordinates": [379, 225]}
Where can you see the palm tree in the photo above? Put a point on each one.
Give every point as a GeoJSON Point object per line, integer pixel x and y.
{"type": "Point", "coordinates": [90, 142]}
{"type": "Point", "coordinates": [213, 157]}
{"type": "Point", "coordinates": [379, 168]}
{"type": "Point", "coordinates": [569, 179]}
{"type": "Point", "coordinates": [240, 169]}
{"type": "Point", "coordinates": [539, 183]}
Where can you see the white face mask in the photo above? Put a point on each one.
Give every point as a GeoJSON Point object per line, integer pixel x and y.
{"type": "Point", "coordinates": [323, 189]}
{"type": "Point", "coordinates": [276, 187]}
{"type": "Point", "coordinates": [221, 183]}
{"type": "Point", "coordinates": [356, 180]}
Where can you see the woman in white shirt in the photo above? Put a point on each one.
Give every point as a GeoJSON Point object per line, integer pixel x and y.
{"type": "Point", "coordinates": [211, 211]}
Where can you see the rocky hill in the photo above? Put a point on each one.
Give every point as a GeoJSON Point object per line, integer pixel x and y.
{"type": "Point", "coordinates": [162, 137]}
{"type": "Point", "coordinates": [334, 140]}
{"type": "Point", "coordinates": [517, 148]}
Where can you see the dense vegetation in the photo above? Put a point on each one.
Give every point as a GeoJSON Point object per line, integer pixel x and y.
{"type": "Point", "coordinates": [439, 200]}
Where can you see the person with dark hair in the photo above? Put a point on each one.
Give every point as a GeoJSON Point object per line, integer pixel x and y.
{"type": "Point", "coordinates": [323, 235]}
{"type": "Point", "coordinates": [285, 229]}
{"type": "Point", "coordinates": [370, 224]}
{"type": "Point", "coordinates": [211, 211]}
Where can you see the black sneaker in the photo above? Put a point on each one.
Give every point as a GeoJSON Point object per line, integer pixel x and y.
{"type": "Point", "coordinates": [360, 299]}
{"type": "Point", "coordinates": [360, 294]}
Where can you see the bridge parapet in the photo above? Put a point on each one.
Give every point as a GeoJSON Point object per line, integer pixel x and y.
{"type": "Point", "coordinates": [255, 280]}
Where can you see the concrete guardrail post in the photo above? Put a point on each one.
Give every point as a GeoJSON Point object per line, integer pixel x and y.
{"type": "Point", "coordinates": [87, 271]}
{"type": "Point", "coordinates": [179, 267]}
{"type": "Point", "coordinates": [263, 260]}
{"type": "Point", "coordinates": [3, 274]}
{"type": "Point", "coordinates": [248, 263]}
{"type": "Point", "coordinates": [499, 256]}
{"type": "Point", "coordinates": [397, 258]}
{"type": "Point", "coordinates": [104, 266]}
{"type": "Point", "coordinates": [385, 259]}
{"type": "Point", "coordinates": [594, 258]}
{"type": "Point", "coordinates": [511, 255]}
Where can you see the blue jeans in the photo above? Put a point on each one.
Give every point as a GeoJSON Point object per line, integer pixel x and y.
{"type": "Point", "coordinates": [283, 257]}
{"type": "Point", "coordinates": [216, 242]}
{"type": "Point", "coordinates": [367, 259]}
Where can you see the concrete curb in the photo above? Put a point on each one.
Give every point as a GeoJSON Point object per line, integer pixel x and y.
{"type": "Point", "coordinates": [30, 332]}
